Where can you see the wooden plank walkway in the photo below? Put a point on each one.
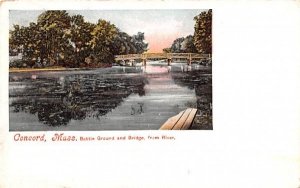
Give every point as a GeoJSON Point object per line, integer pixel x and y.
{"type": "Point", "coordinates": [162, 56]}
{"type": "Point", "coordinates": [182, 121]}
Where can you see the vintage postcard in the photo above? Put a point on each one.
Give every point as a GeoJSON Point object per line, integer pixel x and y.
{"type": "Point", "coordinates": [73, 70]}
{"type": "Point", "coordinates": [149, 94]}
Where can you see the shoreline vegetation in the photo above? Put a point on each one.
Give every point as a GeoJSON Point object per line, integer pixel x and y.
{"type": "Point", "coordinates": [44, 69]}
{"type": "Point", "coordinates": [58, 39]}
{"type": "Point", "coordinates": [16, 70]}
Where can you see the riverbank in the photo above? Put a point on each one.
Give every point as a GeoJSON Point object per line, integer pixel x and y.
{"type": "Point", "coordinates": [203, 119]}
{"type": "Point", "coordinates": [57, 68]}
{"type": "Point", "coordinates": [201, 82]}
{"type": "Point", "coordinates": [13, 70]}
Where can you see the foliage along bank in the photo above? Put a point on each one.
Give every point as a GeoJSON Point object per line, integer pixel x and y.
{"type": "Point", "coordinates": [200, 42]}
{"type": "Point", "coordinates": [59, 39]}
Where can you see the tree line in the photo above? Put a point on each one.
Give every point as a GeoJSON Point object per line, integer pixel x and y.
{"type": "Point", "coordinates": [200, 42]}
{"type": "Point", "coordinates": [59, 39]}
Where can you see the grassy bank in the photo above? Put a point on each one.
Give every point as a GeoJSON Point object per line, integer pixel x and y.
{"type": "Point", "coordinates": [37, 69]}
{"type": "Point", "coordinates": [16, 70]}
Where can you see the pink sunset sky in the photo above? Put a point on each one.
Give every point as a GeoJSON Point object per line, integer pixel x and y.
{"type": "Point", "coordinates": [161, 27]}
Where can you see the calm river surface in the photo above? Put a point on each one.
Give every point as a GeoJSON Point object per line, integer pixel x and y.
{"type": "Point", "coordinates": [117, 98]}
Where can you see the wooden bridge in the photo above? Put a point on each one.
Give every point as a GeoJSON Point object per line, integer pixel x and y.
{"type": "Point", "coordinates": [169, 56]}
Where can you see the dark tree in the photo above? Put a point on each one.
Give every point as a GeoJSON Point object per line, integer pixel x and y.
{"type": "Point", "coordinates": [58, 39]}
{"type": "Point", "coordinates": [203, 29]}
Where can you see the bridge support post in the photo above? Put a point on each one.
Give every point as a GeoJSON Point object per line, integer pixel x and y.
{"type": "Point", "coordinates": [189, 61]}
{"type": "Point", "coordinates": [144, 62]}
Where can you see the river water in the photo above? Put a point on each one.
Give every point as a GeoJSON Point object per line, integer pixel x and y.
{"type": "Point", "coordinates": [117, 98]}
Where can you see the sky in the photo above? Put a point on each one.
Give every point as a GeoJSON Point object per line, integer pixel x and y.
{"type": "Point", "coordinates": [161, 27]}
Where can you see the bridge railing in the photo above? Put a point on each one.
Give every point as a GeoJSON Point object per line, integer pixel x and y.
{"type": "Point", "coordinates": [162, 55]}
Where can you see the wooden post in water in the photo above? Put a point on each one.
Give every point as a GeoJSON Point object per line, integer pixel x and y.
{"type": "Point", "coordinates": [169, 60]}
{"type": "Point", "coordinates": [144, 62]}
{"type": "Point", "coordinates": [189, 61]}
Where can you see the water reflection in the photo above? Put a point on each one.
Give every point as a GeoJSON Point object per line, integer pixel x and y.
{"type": "Point", "coordinates": [99, 99]}
{"type": "Point", "coordinates": [201, 82]}
{"type": "Point", "coordinates": [59, 99]}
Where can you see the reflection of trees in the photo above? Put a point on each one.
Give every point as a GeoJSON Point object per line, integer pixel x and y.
{"type": "Point", "coordinates": [202, 83]}
{"type": "Point", "coordinates": [57, 101]}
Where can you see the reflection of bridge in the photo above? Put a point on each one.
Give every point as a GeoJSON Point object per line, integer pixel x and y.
{"type": "Point", "coordinates": [169, 56]}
